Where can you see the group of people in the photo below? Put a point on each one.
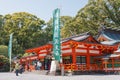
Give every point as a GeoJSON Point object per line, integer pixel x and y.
{"type": "Point", "coordinates": [19, 69]}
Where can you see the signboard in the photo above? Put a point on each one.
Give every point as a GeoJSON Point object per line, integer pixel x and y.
{"type": "Point", "coordinates": [56, 35]}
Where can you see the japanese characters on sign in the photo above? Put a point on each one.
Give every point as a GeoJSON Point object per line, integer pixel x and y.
{"type": "Point", "coordinates": [56, 35]}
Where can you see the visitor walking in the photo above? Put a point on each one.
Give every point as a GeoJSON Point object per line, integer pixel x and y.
{"type": "Point", "coordinates": [17, 68]}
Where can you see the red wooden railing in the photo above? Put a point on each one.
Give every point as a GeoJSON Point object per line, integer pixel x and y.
{"type": "Point", "coordinates": [82, 67]}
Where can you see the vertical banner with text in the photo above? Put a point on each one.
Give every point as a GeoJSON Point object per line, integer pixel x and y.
{"type": "Point", "coordinates": [10, 49]}
{"type": "Point", "coordinates": [56, 35]}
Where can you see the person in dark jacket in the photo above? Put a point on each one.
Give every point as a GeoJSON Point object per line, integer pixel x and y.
{"type": "Point", "coordinates": [21, 70]}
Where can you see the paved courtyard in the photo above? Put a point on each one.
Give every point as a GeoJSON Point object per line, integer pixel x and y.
{"type": "Point", "coordinates": [38, 76]}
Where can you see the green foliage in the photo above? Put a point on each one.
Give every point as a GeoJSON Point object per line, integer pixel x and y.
{"type": "Point", "coordinates": [3, 59]}
{"type": "Point", "coordinates": [49, 29]}
{"type": "Point", "coordinates": [26, 54]}
{"type": "Point", "coordinates": [4, 67]}
{"type": "Point", "coordinates": [27, 29]}
{"type": "Point", "coordinates": [1, 30]}
{"type": "Point", "coordinates": [4, 50]}
{"type": "Point", "coordinates": [112, 10]}
{"type": "Point", "coordinates": [95, 13]}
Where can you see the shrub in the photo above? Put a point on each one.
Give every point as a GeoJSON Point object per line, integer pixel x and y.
{"type": "Point", "coordinates": [4, 61]}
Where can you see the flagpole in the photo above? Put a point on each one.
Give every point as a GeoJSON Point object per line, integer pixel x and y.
{"type": "Point", "coordinates": [10, 50]}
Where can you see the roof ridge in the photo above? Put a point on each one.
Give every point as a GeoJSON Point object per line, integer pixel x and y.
{"type": "Point", "coordinates": [86, 33]}
{"type": "Point", "coordinates": [113, 28]}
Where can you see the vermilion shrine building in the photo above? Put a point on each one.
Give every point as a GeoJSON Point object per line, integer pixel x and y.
{"type": "Point", "coordinates": [83, 52]}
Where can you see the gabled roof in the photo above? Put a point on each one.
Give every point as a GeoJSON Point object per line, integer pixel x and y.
{"type": "Point", "coordinates": [80, 37]}
{"type": "Point", "coordinates": [117, 51]}
{"type": "Point", "coordinates": [110, 42]}
{"type": "Point", "coordinates": [77, 37]}
{"type": "Point", "coordinates": [85, 37]}
{"type": "Point", "coordinates": [110, 33]}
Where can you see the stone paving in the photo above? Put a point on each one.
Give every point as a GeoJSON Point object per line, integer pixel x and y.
{"type": "Point", "coordinates": [41, 76]}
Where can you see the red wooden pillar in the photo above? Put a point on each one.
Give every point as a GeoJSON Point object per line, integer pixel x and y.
{"type": "Point", "coordinates": [88, 58]}
{"type": "Point", "coordinates": [73, 55]}
{"type": "Point", "coordinates": [112, 63]}
{"type": "Point", "coordinates": [106, 63]}
{"type": "Point", "coordinates": [73, 46]}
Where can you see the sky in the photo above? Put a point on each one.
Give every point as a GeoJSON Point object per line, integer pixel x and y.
{"type": "Point", "coordinates": [43, 9]}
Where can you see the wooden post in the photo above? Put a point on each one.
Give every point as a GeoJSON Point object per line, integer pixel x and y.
{"type": "Point", "coordinates": [112, 63]}
{"type": "Point", "coordinates": [88, 58]}
{"type": "Point", "coordinates": [106, 66]}
{"type": "Point", "coordinates": [73, 55]}
{"type": "Point", "coordinates": [73, 46]}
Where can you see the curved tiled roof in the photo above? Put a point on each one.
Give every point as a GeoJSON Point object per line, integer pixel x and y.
{"type": "Point", "coordinates": [110, 42]}
{"type": "Point", "coordinates": [111, 34]}
{"type": "Point", "coordinates": [79, 37]}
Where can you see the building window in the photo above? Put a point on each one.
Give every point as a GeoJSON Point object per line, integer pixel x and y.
{"type": "Point", "coordinates": [81, 59]}
{"type": "Point", "coordinates": [67, 59]}
{"type": "Point", "coordinates": [92, 60]}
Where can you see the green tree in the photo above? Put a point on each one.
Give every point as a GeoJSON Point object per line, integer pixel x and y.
{"type": "Point", "coordinates": [27, 29]}
{"type": "Point", "coordinates": [1, 30]}
{"type": "Point", "coordinates": [95, 13]}
{"type": "Point", "coordinates": [49, 29]}
{"type": "Point", "coordinates": [4, 50]}
{"type": "Point", "coordinates": [111, 9]}
{"type": "Point", "coordinates": [4, 64]}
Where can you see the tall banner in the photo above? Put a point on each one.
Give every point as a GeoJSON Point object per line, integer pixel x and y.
{"type": "Point", "coordinates": [10, 49]}
{"type": "Point", "coordinates": [56, 35]}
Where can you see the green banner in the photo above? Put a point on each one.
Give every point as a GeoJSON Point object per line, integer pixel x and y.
{"type": "Point", "coordinates": [56, 34]}
{"type": "Point", "coordinates": [10, 47]}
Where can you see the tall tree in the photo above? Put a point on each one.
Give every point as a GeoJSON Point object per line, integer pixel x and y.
{"type": "Point", "coordinates": [95, 13]}
{"type": "Point", "coordinates": [4, 50]}
{"type": "Point", "coordinates": [112, 10]}
{"type": "Point", "coordinates": [49, 28]}
{"type": "Point", "coordinates": [1, 30]}
{"type": "Point", "coordinates": [26, 28]}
